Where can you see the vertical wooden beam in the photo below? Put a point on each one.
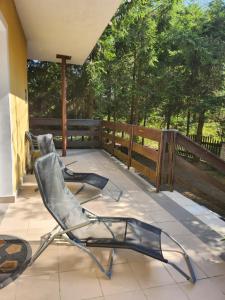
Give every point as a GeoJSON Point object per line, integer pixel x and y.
{"type": "Point", "coordinates": [171, 157]}
{"type": "Point", "coordinates": [63, 101]}
{"type": "Point", "coordinates": [131, 141]}
{"type": "Point", "coordinates": [113, 139]}
{"type": "Point", "coordinates": [160, 162]}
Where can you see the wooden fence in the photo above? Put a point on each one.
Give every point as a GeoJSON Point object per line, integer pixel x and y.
{"type": "Point", "coordinates": [125, 141]}
{"type": "Point", "coordinates": [209, 143]}
{"type": "Point", "coordinates": [80, 134]}
{"type": "Point", "coordinates": [161, 164]}
{"type": "Point", "coordinates": [151, 152]}
{"type": "Point", "coordinates": [194, 177]}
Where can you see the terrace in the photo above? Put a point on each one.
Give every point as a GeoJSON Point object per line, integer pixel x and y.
{"type": "Point", "coordinates": [62, 271]}
{"type": "Point", "coordinates": [143, 162]}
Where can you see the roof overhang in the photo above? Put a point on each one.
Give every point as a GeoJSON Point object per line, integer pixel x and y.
{"type": "Point", "coordinates": [67, 27]}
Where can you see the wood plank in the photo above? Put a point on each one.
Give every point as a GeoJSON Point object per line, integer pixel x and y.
{"type": "Point", "coordinates": [79, 144]}
{"type": "Point", "coordinates": [69, 132]}
{"type": "Point", "coordinates": [106, 135]}
{"type": "Point", "coordinates": [123, 127]}
{"type": "Point", "coordinates": [122, 141]}
{"type": "Point", "coordinates": [108, 125]}
{"type": "Point", "coordinates": [84, 122]}
{"type": "Point", "coordinates": [83, 133]}
{"type": "Point", "coordinates": [146, 171]}
{"type": "Point", "coordinates": [145, 151]}
{"type": "Point", "coordinates": [197, 174]}
{"type": "Point", "coordinates": [122, 156]}
{"type": "Point", "coordinates": [148, 133]}
{"type": "Point", "coordinates": [46, 131]}
{"type": "Point", "coordinates": [203, 153]}
{"type": "Point", "coordinates": [35, 122]}
{"type": "Point", "coordinates": [161, 160]}
{"type": "Point", "coordinates": [193, 179]}
{"type": "Point", "coordinates": [108, 147]}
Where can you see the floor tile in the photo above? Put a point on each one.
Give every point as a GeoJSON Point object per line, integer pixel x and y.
{"type": "Point", "coordinates": [151, 274]}
{"type": "Point", "coordinates": [212, 268]}
{"type": "Point", "coordinates": [81, 284]}
{"type": "Point", "coordinates": [219, 282]}
{"type": "Point", "coordinates": [170, 292]}
{"type": "Point", "coordinates": [162, 216]}
{"type": "Point", "coordinates": [180, 262]}
{"type": "Point", "coordinates": [8, 292]}
{"type": "Point", "coordinates": [123, 280]}
{"type": "Point", "coordinates": [72, 258]}
{"type": "Point", "coordinates": [41, 287]}
{"type": "Point", "coordinates": [202, 289]}
{"type": "Point", "coordinates": [134, 295]}
{"type": "Point", "coordinates": [71, 271]}
{"type": "Point", "coordinates": [46, 263]}
{"type": "Point", "coordinates": [173, 227]}
{"type": "Point", "coordinates": [179, 198]}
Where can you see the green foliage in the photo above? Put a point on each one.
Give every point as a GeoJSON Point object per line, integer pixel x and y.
{"type": "Point", "coordinates": [158, 63]}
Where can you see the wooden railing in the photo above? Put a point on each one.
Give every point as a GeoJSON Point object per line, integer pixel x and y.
{"type": "Point", "coordinates": [207, 142]}
{"type": "Point", "coordinates": [80, 134]}
{"type": "Point", "coordinates": [151, 152]}
{"type": "Point", "coordinates": [194, 177]}
{"type": "Point", "coordinates": [126, 143]}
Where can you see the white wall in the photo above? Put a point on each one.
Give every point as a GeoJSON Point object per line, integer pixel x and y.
{"type": "Point", "coordinates": [6, 172]}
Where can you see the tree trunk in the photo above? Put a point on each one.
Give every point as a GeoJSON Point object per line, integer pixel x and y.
{"type": "Point", "coordinates": [201, 121]}
{"type": "Point", "coordinates": [145, 119]}
{"type": "Point", "coordinates": [133, 104]}
{"type": "Point", "coordinates": [168, 120]}
{"type": "Point", "coordinates": [132, 111]}
{"type": "Point", "coordinates": [188, 123]}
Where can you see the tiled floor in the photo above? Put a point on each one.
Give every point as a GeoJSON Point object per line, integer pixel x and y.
{"type": "Point", "coordinates": [65, 272]}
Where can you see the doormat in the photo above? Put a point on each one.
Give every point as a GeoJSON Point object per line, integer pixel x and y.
{"type": "Point", "coordinates": [15, 255]}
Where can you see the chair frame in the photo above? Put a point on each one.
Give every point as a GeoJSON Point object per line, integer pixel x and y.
{"type": "Point", "coordinates": [61, 234]}
{"type": "Point", "coordinates": [34, 143]}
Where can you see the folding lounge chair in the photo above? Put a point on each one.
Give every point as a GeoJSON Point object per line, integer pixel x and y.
{"type": "Point", "coordinates": [85, 230]}
{"type": "Point", "coordinates": [46, 145]}
{"type": "Point", "coordinates": [34, 148]}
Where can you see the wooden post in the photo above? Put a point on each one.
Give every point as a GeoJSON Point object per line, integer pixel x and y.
{"type": "Point", "coordinates": [63, 101]}
{"type": "Point", "coordinates": [130, 145]}
{"type": "Point", "coordinates": [171, 157]}
{"type": "Point", "coordinates": [113, 139]}
{"type": "Point", "coordinates": [101, 134]}
{"type": "Point", "coordinates": [160, 162]}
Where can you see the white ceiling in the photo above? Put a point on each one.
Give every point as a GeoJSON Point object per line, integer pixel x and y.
{"type": "Point", "coordinates": [68, 27]}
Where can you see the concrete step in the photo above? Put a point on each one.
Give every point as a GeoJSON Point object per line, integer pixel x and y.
{"type": "Point", "coordinates": [29, 184]}
{"type": "Point", "coordinates": [29, 178]}
{"type": "Point", "coordinates": [28, 187]}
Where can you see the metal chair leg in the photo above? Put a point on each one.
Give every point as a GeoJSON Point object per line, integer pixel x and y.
{"type": "Point", "coordinates": [190, 277]}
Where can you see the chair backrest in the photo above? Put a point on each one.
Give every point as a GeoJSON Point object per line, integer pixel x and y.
{"type": "Point", "coordinates": [57, 198]}
{"type": "Point", "coordinates": [32, 140]}
{"type": "Point", "coordinates": [46, 146]}
{"type": "Point", "coordinates": [46, 143]}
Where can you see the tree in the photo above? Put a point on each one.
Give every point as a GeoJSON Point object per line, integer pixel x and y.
{"type": "Point", "coordinates": [158, 62]}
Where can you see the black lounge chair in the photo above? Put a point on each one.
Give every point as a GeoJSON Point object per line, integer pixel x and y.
{"type": "Point", "coordinates": [46, 145]}
{"type": "Point", "coordinates": [85, 230]}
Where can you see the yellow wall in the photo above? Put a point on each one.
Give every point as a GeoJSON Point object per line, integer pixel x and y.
{"type": "Point", "coordinates": [18, 87]}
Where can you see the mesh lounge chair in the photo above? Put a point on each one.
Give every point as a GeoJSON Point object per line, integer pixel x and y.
{"type": "Point", "coordinates": [34, 149]}
{"type": "Point", "coordinates": [46, 145]}
{"type": "Point", "coordinates": [86, 230]}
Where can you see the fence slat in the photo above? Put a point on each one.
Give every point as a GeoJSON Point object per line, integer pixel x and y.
{"type": "Point", "coordinates": [76, 128]}
{"type": "Point", "coordinates": [132, 147]}
{"type": "Point", "coordinates": [146, 151]}
{"type": "Point", "coordinates": [197, 150]}
{"type": "Point", "coordinates": [148, 133]}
